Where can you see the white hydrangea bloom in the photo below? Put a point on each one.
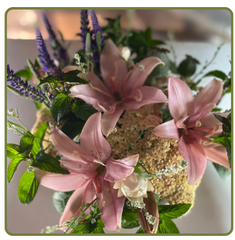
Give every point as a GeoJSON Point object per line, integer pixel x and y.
{"type": "Point", "coordinates": [134, 187]}
{"type": "Point", "coordinates": [125, 52]}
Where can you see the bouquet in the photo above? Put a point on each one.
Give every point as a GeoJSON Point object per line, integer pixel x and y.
{"type": "Point", "coordinates": [122, 134]}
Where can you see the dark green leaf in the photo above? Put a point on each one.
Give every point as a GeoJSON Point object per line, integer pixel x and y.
{"type": "Point", "coordinates": [188, 66]}
{"type": "Point", "coordinates": [99, 225]}
{"type": "Point", "coordinates": [39, 135]}
{"type": "Point", "coordinates": [71, 77]}
{"type": "Point", "coordinates": [26, 142]}
{"type": "Point", "coordinates": [166, 225]}
{"type": "Point", "coordinates": [226, 122]}
{"type": "Point", "coordinates": [217, 74]}
{"type": "Point", "coordinates": [155, 42]}
{"type": "Point", "coordinates": [173, 67]}
{"type": "Point", "coordinates": [27, 187]}
{"type": "Point", "coordinates": [140, 230]}
{"type": "Point", "coordinates": [83, 110]}
{"type": "Point", "coordinates": [73, 125]}
{"type": "Point", "coordinates": [60, 106]}
{"type": "Point", "coordinates": [129, 225]}
{"type": "Point", "coordinates": [12, 167]}
{"type": "Point", "coordinates": [216, 110]}
{"type": "Point", "coordinates": [173, 211]}
{"type": "Point", "coordinates": [222, 171]}
{"type": "Point", "coordinates": [129, 218]}
{"type": "Point", "coordinates": [60, 200]}
{"type": "Point", "coordinates": [48, 163]}
{"type": "Point", "coordinates": [48, 79]}
{"type": "Point", "coordinates": [157, 197]}
{"type": "Point", "coordinates": [228, 147]}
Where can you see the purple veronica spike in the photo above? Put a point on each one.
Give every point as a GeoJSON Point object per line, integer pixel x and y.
{"type": "Point", "coordinates": [23, 88]}
{"type": "Point", "coordinates": [60, 53]}
{"type": "Point", "coordinates": [96, 26]}
{"type": "Point", "coordinates": [84, 26]}
{"type": "Point", "coordinates": [47, 63]}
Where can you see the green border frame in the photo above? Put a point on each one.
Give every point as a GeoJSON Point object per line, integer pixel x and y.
{"type": "Point", "coordinates": [4, 120]}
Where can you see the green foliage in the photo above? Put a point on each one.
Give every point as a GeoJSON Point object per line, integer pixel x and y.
{"type": "Point", "coordinates": [25, 73]}
{"type": "Point", "coordinates": [26, 143]}
{"type": "Point", "coordinates": [166, 115]}
{"type": "Point", "coordinates": [140, 230]}
{"type": "Point", "coordinates": [60, 106]}
{"type": "Point", "coordinates": [222, 171]}
{"type": "Point", "coordinates": [12, 167]}
{"type": "Point", "coordinates": [72, 77]}
{"type": "Point", "coordinates": [188, 66]}
{"type": "Point", "coordinates": [218, 74]}
{"type": "Point", "coordinates": [73, 125]}
{"type": "Point", "coordinates": [166, 225]}
{"type": "Point", "coordinates": [173, 211]}
{"type": "Point", "coordinates": [27, 187]}
{"type": "Point", "coordinates": [48, 163]}
{"type": "Point", "coordinates": [83, 110]}
{"type": "Point", "coordinates": [129, 218]}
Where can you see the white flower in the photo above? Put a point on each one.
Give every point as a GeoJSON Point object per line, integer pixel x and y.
{"type": "Point", "coordinates": [125, 52]}
{"type": "Point", "coordinates": [134, 187]}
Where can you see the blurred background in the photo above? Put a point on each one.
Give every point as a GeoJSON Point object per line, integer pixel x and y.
{"type": "Point", "coordinates": [204, 25]}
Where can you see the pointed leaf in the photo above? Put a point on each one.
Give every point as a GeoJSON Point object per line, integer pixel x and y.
{"type": "Point", "coordinates": [222, 171]}
{"type": "Point", "coordinates": [27, 187]}
{"type": "Point", "coordinates": [173, 211]}
{"type": "Point", "coordinates": [217, 74]}
{"type": "Point", "coordinates": [12, 167]}
{"type": "Point", "coordinates": [166, 225]}
{"type": "Point", "coordinates": [60, 200]}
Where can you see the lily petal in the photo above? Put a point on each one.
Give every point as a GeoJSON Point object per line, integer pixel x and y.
{"type": "Point", "coordinates": [71, 68]}
{"type": "Point", "coordinates": [194, 155]}
{"type": "Point", "coordinates": [218, 155]}
{"type": "Point", "coordinates": [80, 197]}
{"type": "Point", "coordinates": [209, 94]}
{"type": "Point", "coordinates": [117, 170]}
{"type": "Point", "coordinates": [60, 182]}
{"type": "Point", "coordinates": [108, 121]}
{"type": "Point", "coordinates": [120, 74]}
{"type": "Point", "coordinates": [92, 139]}
{"type": "Point", "coordinates": [167, 130]}
{"type": "Point", "coordinates": [111, 207]}
{"type": "Point", "coordinates": [145, 95]}
{"type": "Point", "coordinates": [180, 98]}
{"type": "Point", "coordinates": [138, 77]}
{"type": "Point", "coordinates": [67, 147]}
{"type": "Point", "coordinates": [108, 57]}
{"type": "Point", "coordinates": [90, 96]}
{"type": "Point", "coordinates": [212, 120]}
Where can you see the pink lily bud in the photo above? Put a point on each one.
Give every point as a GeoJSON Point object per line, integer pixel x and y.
{"type": "Point", "coordinates": [149, 217]}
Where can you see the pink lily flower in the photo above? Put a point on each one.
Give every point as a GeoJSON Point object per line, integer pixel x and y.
{"type": "Point", "coordinates": [120, 88]}
{"type": "Point", "coordinates": [93, 173]}
{"type": "Point", "coordinates": [193, 124]}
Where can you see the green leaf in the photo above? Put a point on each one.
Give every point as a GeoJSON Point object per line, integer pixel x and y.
{"type": "Point", "coordinates": [155, 42]}
{"type": "Point", "coordinates": [217, 74]}
{"type": "Point", "coordinates": [25, 73]}
{"type": "Point", "coordinates": [99, 225]}
{"type": "Point", "coordinates": [26, 143]}
{"type": "Point", "coordinates": [48, 163]}
{"type": "Point", "coordinates": [72, 77]}
{"type": "Point", "coordinates": [61, 35]}
{"type": "Point", "coordinates": [13, 150]}
{"type": "Point", "coordinates": [12, 167]}
{"type": "Point", "coordinates": [83, 110]}
{"type": "Point", "coordinates": [166, 225]}
{"type": "Point", "coordinates": [173, 67]}
{"type": "Point", "coordinates": [157, 197]}
{"type": "Point", "coordinates": [140, 230]}
{"type": "Point", "coordinates": [228, 147]}
{"type": "Point", "coordinates": [173, 211]}
{"type": "Point", "coordinates": [72, 126]}
{"type": "Point", "coordinates": [129, 218]}
{"type": "Point", "coordinates": [226, 122]}
{"type": "Point", "coordinates": [60, 200]}
{"type": "Point", "coordinates": [27, 187]}
{"type": "Point", "coordinates": [222, 171]}
{"type": "Point", "coordinates": [143, 174]}
{"type": "Point", "coordinates": [33, 69]}
{"type": "Point", "coordinates": [49, 79]}
{"type": "Point", "coordinates": [60, 106]}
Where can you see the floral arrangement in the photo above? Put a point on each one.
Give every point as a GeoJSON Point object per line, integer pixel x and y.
{"type": "Point", "coordinates": [122, 134]}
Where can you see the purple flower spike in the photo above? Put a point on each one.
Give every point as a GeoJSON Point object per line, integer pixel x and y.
{"type": "Point", "coordinates": [96, 26]}
{"type": "Point", "coordinates": [47, 63]}
{"type": "Point", "coordinates": [84, 26]}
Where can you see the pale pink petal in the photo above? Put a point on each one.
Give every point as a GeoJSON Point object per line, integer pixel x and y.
{"type": "Point", "coordinates": [67, 147]}
{"type": "Point", "coordinates": [81, 196]}
{"type": "Point", "coordinates": [144, 95]}
{"type": "Point", "coordinates": [120, 74]}
{"type": "Point", "coordinates": [117, 170]}
{"type": "Point", "coordinates": [212, 120]}
{"type": "Point", "coordinates": [96, 83]}
{"type": "Point", "coordinates": [209, 94]}
{"type": "Point", "coordinates": [92, 139]}
{"type": "Point", "coordinates": [79, 167]}
{"type": "Point", "coordinates": [193, 153]}
{"type": "Point", "coordinates": [138, 77]}
{"type": "Point", "coordinates": [108, 121]}
{"type": "Point", "coordinates": [108, 58]}
{"type": "Point", "coordinates": [71, 68]}
{"type": "Point", "coordinates": [180, 98]}
{"type": "Point", "coordinates": [60, 182]}
{"type": "Point", "coordinates": [111, 207]}
{"type": "Point", "coordinates": [218, 155]}
{"type": "Point", "coordinates": [91, 96]}
{"type": "Point", "coordinates": [167, 130]}
{"type": "Point", "coordinates": [98, 182]}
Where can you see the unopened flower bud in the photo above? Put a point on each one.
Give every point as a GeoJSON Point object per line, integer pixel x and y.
{"type": "Point", "coordinates": [149, 217]}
